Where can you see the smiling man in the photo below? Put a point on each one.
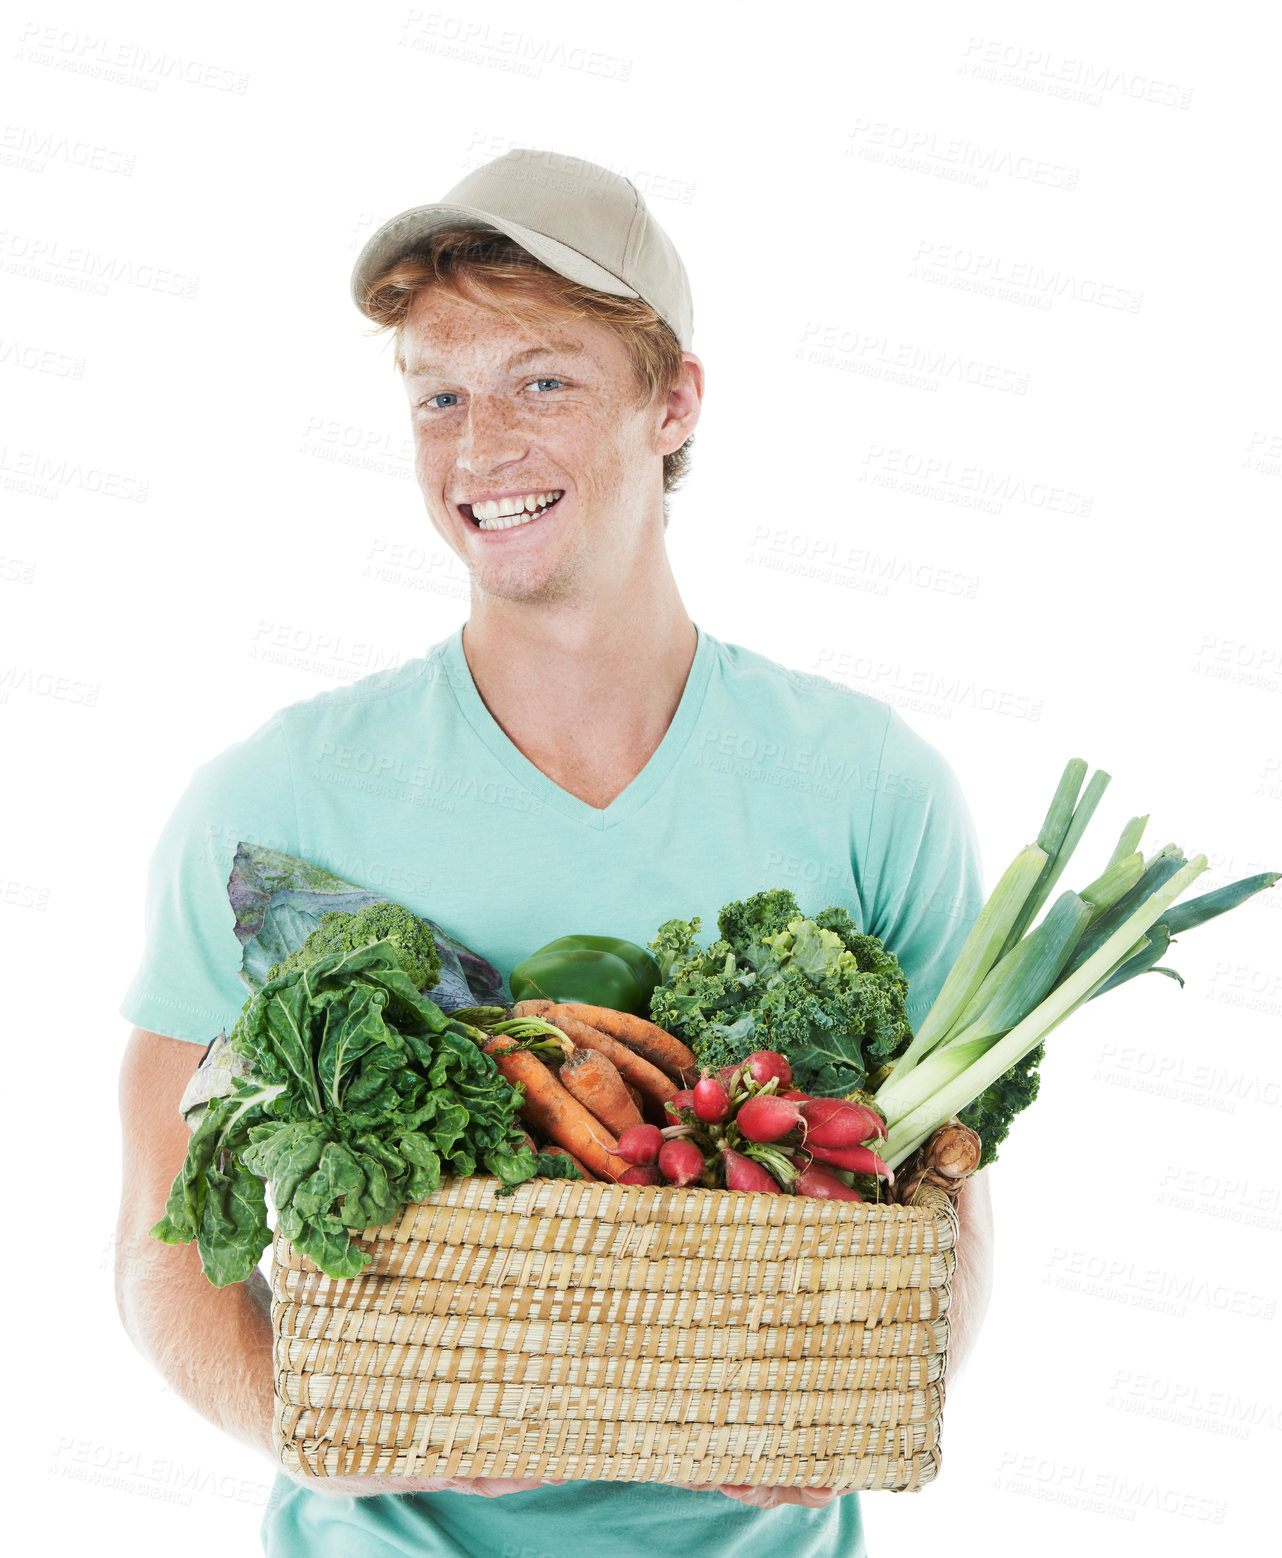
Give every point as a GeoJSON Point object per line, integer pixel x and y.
{"type": "Point", "coordinates": [579, 757]}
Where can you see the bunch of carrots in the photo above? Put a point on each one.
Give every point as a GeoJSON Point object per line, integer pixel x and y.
{"type": "Point", "coordinates": [589, 1074]}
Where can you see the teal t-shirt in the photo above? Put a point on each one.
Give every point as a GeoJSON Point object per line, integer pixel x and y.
{"type": "Point", "coordinates": [405, 783]}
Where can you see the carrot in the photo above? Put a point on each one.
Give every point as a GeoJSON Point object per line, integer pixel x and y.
{"type": "Point", "coordinates": [554, 1113]}
{"type": "Point", "coordinates": [533, 1008]}
{"type": "Point", "coordinates": [652, 1043]}
{"type": "Point", "coordinates": [649, 1081]}
{"type": "Point", "coordinates": [560, 1152]}
{"type": "Point", "coordinates": [596, 1083]}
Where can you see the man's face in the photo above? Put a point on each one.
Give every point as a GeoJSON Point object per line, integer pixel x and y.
{"type": "Point", "coordinates": [503, 412]}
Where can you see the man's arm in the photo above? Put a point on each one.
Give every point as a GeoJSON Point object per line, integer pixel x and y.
{"type": "Point", "coordinates": [973, 1273]}
{"type": "Point", "coordinates": [213, 1345]}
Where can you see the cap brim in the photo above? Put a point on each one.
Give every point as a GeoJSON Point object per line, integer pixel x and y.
{"type": "Point", "coordinates": [405, 233]}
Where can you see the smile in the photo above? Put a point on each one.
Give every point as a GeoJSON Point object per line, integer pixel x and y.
{"type": "Point", "coordinates": [505, 513]}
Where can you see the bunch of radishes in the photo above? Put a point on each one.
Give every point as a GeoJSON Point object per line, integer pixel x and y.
{"type": "Point", "coordinates": [746, 1128]}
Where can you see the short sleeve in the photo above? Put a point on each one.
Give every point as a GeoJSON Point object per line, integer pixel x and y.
{"type": "Point", "coordinates": [188, 981]}
{"type": "Point", "coordinates": [921, 877]}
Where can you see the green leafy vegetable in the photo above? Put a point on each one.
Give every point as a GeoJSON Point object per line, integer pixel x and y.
{"type": "Point", "coordinates": [359, 1094]}
{"type": "Point", "coordinates": [817, 990]}
{"type": "Point", "coordinates": [340, 931]}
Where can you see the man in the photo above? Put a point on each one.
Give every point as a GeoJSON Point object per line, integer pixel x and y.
{"type": "Point", "coordinates": [571, 760]}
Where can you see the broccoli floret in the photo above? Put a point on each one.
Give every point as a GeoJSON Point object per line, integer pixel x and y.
{"type": "Point", "coordinates": [340, 931]}
{"type": "Point", "coordinates": [989, 1116]}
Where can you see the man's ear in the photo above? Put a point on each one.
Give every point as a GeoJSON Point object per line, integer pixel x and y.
{"type": "Point", "coordinates": [681, 407]}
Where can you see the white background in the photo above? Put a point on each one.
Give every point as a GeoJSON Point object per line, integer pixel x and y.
{"type": "Point", "coordinates": [951, 202]}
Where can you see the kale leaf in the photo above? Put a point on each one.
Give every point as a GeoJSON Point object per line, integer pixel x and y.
{"type": "Point", "coordinates": [818, 990]}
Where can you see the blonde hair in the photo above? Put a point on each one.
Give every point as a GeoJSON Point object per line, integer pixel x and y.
{"type": "Point", "coordinates": [492, 270]}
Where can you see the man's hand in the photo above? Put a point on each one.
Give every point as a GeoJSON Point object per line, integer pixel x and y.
{"type": "Point", "coordinates": [772, 1498]}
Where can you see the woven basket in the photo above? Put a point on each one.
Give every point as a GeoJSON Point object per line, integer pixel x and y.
{"type": "Point", "coordinates": [623, 1333]}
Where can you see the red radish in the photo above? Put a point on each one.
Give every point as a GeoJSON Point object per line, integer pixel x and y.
{"type": "Point", "coordinates": [641, 1174]}
{"type": "Point", "coordinates": [796, 1097]}
{"type": "Point", "coordinates": [743, 1174]}
{"type": "Point", "coordinates": [767, 1065]}
{"type": "Point", "coordinates": [832, 1122]}
{"type": "Point", "coordinates": [822, 1184]}
{"type": "Point", "coordinates": [728, 1075]}
{"type": "Point", "coordinates": [862, 1160]}
{"type": "Point", "coordinates": [679, 1101]}
{"type": "Point", "coordinates": [640, 1144]}
{"type": "Point", "coordinates": [681, 1162]}
{"type": "Point", "coordinates": [767, 1118]}
{"type": "Point", "coordinates": [711, 1101]}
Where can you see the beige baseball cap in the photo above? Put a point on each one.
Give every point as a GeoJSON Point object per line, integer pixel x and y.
{"type": "Point", "coordinates": [580, 220]}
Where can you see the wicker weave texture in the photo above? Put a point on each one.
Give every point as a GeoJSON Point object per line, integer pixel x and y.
{"type": "Point", "coordinates": [623, 1333]}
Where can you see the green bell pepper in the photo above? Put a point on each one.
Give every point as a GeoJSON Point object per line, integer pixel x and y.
{"type": "Point", "coordinates": [594, 970]}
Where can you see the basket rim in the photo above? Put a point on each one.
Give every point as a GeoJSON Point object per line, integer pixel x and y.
{"type": "Point", "coordinates": [658, 1203]}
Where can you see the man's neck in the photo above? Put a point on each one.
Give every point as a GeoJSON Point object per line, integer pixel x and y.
{"type": "Point", "coordinates": [584, 689]}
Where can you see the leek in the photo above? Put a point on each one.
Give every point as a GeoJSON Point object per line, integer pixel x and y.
{"type": "Point", "coordinates": [1128, 843]}
{"type": "Point", "coordinates": [978, 954]}
{"type": "Point", "coordinates": [1067, 842]}
{"type": "Point", "coordinates": [1119, 878]}
{"type": "Point", "coordinates": [1026, 974]}
{"type": "Point", "coordinates": [908, 1130]}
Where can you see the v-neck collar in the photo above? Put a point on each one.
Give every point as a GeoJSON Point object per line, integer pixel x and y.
{"type": "Point", "coordinates": [629, 800]}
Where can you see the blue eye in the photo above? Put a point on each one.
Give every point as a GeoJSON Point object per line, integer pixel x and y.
{"type": "Point", "coordinates": [547, 381]}
{"type": "Point", "coordinates": [444, 395]}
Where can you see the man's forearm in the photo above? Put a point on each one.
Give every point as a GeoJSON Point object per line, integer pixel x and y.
{"type": "Point", "coordinates": [212, 1345]}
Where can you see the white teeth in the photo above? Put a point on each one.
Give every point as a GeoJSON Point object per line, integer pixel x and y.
{"type": "Point", "coordinates": [503, 513]}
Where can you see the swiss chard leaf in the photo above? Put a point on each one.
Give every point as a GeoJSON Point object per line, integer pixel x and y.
{"type": "Point", "coordinates": [360, 1093]}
